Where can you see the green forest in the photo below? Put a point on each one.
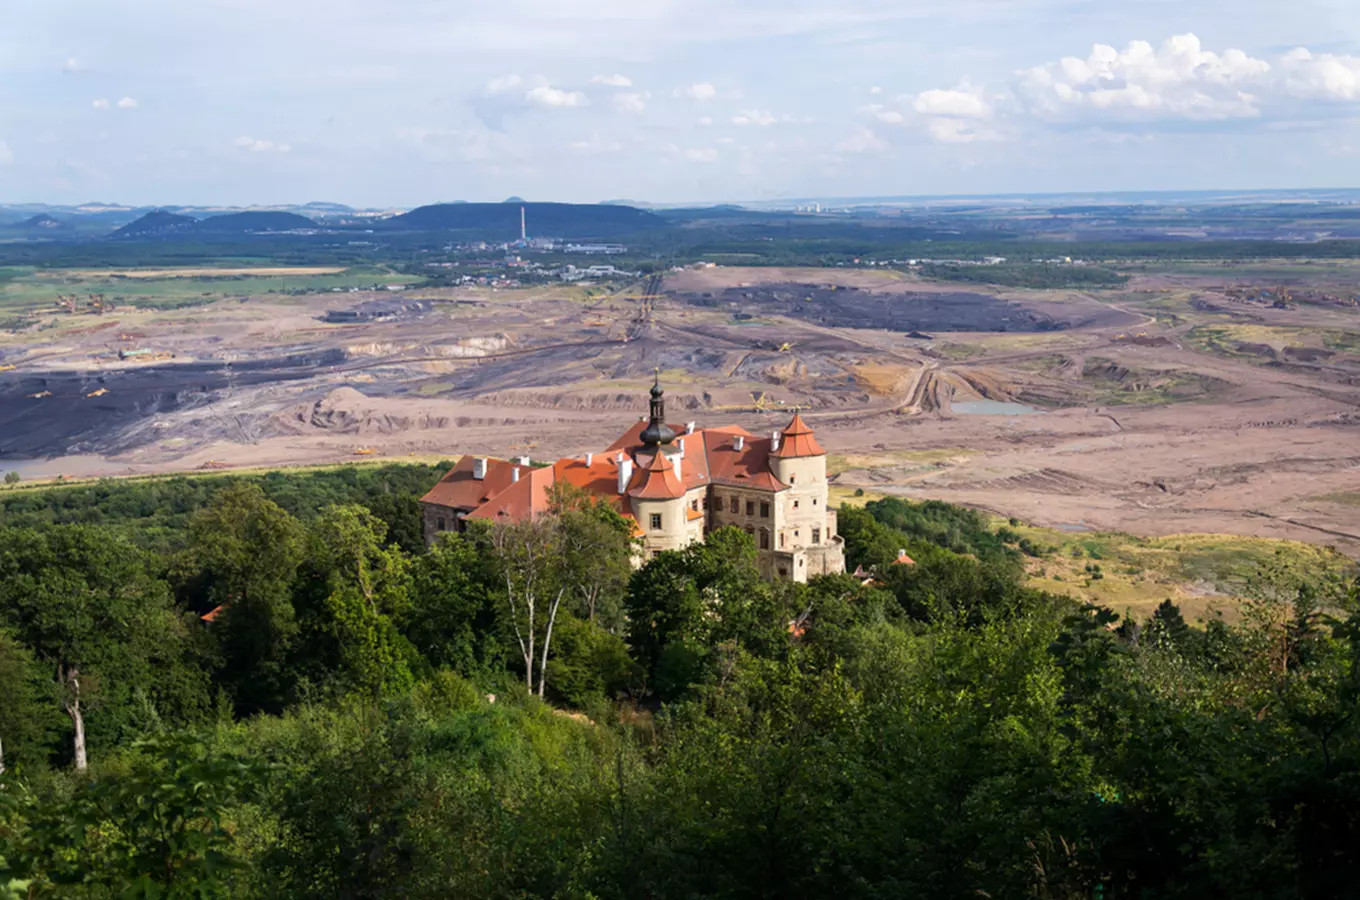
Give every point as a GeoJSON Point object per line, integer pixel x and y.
{"type": "Point", "coordinates": [268, 686]}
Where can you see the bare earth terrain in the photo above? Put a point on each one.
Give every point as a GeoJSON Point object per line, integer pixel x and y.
{"type": "Point", "coordinates": [1188, 401]}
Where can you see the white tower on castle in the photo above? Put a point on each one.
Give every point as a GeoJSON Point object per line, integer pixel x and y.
{"type": "Point", "coordinates": [523, 234]}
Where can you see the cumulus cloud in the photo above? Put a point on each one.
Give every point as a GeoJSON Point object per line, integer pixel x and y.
{"type": "Point", "coordinates": [254, 145]}
{"type": "Point", "coordinates": [702, 155]}
{"type": "Point", "coordinates": [1141, 87]}
{"type": "Point", "coordinates": [615, 80]}
{"type": "Point", "coordinates": [1321, 77]}
{"type": "Point", "coordinates": [503, 83]}
{"type": "Point", "coordinates": [127, 103]}
{"type": "Point", "coordinates": [958, 104]}
{"type": "Point", "coordinates": [699, 91]}
{"type": "Point", "coordinates": [631, 103]}
{"type": "Point", "coordinates": [6, 157]}
{"type": "Point", "coordinates": [1177, 80]}
{"type": "Point", "coordinates": [546, 95]}
{"type": "Point", "coordinates": [101, 103]}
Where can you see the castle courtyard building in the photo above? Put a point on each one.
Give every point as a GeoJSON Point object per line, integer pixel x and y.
{"type": "Point", "coordinates": [675, 486]}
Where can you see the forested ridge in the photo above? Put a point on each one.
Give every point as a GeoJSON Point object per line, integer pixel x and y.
{"type": "Point", "coordinates": [266, 686]}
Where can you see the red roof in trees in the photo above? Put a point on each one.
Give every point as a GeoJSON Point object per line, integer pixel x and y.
{"type": "Point", "coordinates": [459, 490]}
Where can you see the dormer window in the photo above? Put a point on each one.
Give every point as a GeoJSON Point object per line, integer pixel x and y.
{"type": "Point", "coordinates": [792, 478]}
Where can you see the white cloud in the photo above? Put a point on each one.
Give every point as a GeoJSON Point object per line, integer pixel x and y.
{"type": "Point", "coordinates": [6, 157]}
{"type": "Point", "coordinates": [127, 103]}
{"type": "Point", "coordinates": [615, 80]}
{"type": "Point", "coordinates": [503, 83]}
{"type": "Point", "coordinates": [1142, 87]}
{"type": "Point", "coordinates": [702, 155]}
{"type": "Point", "coordinates": [890, 117]}
{"type": "Point", "coordinates": [546, 95]}
{"type": "Point", "coordinates": [632, 103]}
{"type": "Point", "coordinates": [699, 91]}
{"type": "Point", "coordinates": [875, 90]}
{"type": "Point", "coordinates": [755, 117]}
{"type": "Point", "coordinates": [959, 104]}
{"type": "Point", "coordinates": [254, 145]}
{"type": "Point", "coordinates": [101, 103]}
{"type": "Point", "coordinates": [1177, 81]}
{"type": "Point", "coordinates": [862, 140]}
{"type": "Point", "coordinates": [1321, 77]}
{"type": "Point", "coordinates": [72, 66]}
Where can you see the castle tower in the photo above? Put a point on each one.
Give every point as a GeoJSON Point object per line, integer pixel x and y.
{"type": "Point", "coordinates": [657, 435]}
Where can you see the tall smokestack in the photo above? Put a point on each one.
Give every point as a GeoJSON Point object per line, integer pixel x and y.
{"type": "Point", "coordinates": [523, 233]}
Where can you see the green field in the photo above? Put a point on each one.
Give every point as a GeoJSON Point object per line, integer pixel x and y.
{"type": "Point", "coordinates": [25, 291]}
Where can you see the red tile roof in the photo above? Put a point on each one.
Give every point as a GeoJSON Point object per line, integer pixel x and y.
{"type": "Point", "coordinates": [747, 467]}
{"type": "Point", "coordinates": [798, 441]}
{"type": "Point", "coordinates": [522, 500]}
{"type": "Point", "coordinates": [657, 481]}
{"type": "Point", "coordinates": [459, 490]}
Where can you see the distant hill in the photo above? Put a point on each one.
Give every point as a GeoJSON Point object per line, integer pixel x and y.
{"type": "Point", "coordinates": [157, 223]}
{"type": "Point", "coordinates": [501, 220]}
{"type": "Point", "coordinates": [41, 222]}
{"type": "Point", "coordinates": [251, 222]}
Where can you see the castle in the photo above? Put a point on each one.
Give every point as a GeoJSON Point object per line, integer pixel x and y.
{"type": "Point", "coordinates": [675, 487]}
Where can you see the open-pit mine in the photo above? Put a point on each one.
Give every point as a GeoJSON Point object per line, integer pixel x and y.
{"type": "Point", "coordinates": [1180, 402]}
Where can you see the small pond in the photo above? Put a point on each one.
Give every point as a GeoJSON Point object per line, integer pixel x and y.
{"type": "Point", "coordinates": [991, 408]}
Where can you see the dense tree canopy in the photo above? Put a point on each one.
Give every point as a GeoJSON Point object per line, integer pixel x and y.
{"type": "Point", "coordinates": [361, 716]}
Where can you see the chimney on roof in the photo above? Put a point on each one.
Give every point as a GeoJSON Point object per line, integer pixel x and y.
{"type": "Point", "coordinates": [514, 474]}
{"type": "Point", "coordinates": [774, 440]}
{"type": "Point", "coordinates": [625, 473]}
{"type": "Point", "coordinates": [590, 458]}
{"type": "Point", "coordinates": [682, 446]}
{"type": "Point", "coordinates": [676, 460]}
{"type": "Point", "coordinates": [689, 428]}
{"type": "Point", "coordinates": [479, 468]}
{"type": "Point", "coordinates": [738, 442]}
{"type": "Point", "coordinates": [523, 461]}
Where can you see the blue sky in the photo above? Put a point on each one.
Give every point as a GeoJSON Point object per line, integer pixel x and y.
{"type": "Point", "coordinates": [402, 102]}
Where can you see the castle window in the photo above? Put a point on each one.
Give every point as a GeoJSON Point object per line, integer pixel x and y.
{"type": "Point", "coordinates": [781, 540]}
{"type": "Point", "coordinates": [795, 504]}
{"type": "Point", "coordinates": [750, 507]}
{"type": "Point", "coordinates": [816, 535]}
{"type": "Point", "coordinates": [694, 504]}
{"type": "Point", "coordinates": [764, 539]}
{"type": "Point", "coordinates": [783, 572]}
{"type": "Point", "coordinates": [736, 505]}
{"type": "Point", "coordinates": [441, 524]}
{"type": "Point", "coordinates": [764, 510]}
{"type": "Point", "coordinates": [751, 530]}
{"type": "Point", "coordinates": [656, 521]}
{"type": "Point", "coordinates": [792, 478]}
{"type": "Point", "coordinates": [814, 501]}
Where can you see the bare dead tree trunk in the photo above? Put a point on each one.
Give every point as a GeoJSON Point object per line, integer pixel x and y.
{"type": "Point", "coordinates": [547, 639]}
{"type": "Point", "coordinates": [71, 678]}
